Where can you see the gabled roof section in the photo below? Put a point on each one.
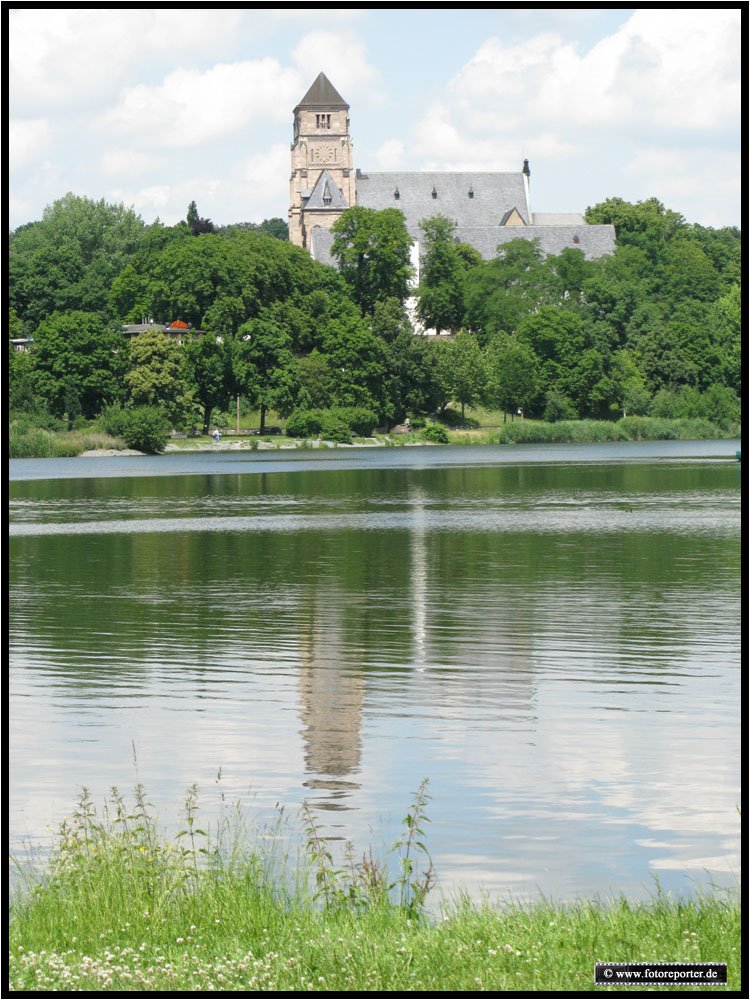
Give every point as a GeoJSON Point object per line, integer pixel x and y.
{"type": "Point", "coordinates": [470, 199]}
{"type": "Point", "coordinates": [512, 218]}
{"type": "Point", "coordinates": [326, 194]}
{"type": "Point", "coordinates": [322, 94]}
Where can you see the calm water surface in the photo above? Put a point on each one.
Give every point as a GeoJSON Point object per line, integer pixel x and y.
{"type": "Point", "coordinates": [551, 635]}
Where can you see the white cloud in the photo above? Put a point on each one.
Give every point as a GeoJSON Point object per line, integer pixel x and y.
{"type": "Point", "coordinates": [143, 97]}
{"type": "Point", "coordinates": [266, 175]}
{"type": "Point", "coordinates": [672, 68]}
{"type": "Point", "coordinates": [148, 201]}
{"type": "Point", "coordinates": [129, 162]}
{"type": "Point", "coordinates": [683, 178]}
{"type": "Point", "coordinates": [667, 79]}
{"type": "Point", "coordinates": [168, 202]}
{"type": "Point", "coordinates": [27, 139]}
{"type": "Point", "coordinates": [189, 106]}
{"type": "Point", "coordinates": [390, 156]}
{"type": "Point", "coordinates": [441, 145]}
{"type": "Point", "coordinates": [693, 80]}
{"type": "Point", "coordinates": [59, 56]}
{"type": "Point", "coordinates": [343, 58]}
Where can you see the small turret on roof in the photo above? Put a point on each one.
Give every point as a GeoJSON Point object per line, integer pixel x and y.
{"type": "Point", "coordinates": [322, 94]}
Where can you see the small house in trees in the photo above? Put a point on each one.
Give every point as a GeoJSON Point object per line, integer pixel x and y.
{"type": "Point", "coordinates": [177, 330]}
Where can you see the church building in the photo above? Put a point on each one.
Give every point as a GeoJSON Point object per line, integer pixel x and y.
{"type": "Point", "coordinates": [489, 209]}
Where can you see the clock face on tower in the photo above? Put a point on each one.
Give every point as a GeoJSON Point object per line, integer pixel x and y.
{"type": "Point", "coordinates": [323, 152]}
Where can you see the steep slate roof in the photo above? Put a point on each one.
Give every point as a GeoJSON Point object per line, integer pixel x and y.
{"type": "Point", "coordinates": [325, 185]}
{"type": "Point", "coordinates": [593, 241]}
{"type": "Point", "coordinates": [491, 195]}
{"type": "Point", "coordinates": [558, 219]}
{"type": "Point", "coordinates": [322, 94]}
{"type": "Point", "coordinates": [321, 241]}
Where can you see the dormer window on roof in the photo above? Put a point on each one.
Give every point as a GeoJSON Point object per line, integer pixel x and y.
{"type": "Point", "coordinates": [471, 192]}
{"type": "Point", "coordinates": [327, 197]}
{"type": "Point", "coordinates": [396, 194]}
{"type": "Point", "coordinates": [434, 191]}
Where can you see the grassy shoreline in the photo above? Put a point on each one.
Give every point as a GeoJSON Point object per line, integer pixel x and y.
{"type": "Point", "coordinates": [120, 907]}
{"type": "Point", "coordinates": [40, 443]}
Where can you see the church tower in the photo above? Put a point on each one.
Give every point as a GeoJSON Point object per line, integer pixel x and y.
{"type": "Point", "coordinates": [323, 179]}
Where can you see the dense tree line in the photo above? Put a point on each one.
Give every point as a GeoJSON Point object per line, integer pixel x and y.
{"type": "Point", "coordinates": [654, 328]}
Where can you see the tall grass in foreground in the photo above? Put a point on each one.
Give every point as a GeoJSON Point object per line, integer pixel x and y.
{"type": "Point", "coordinates": [122, 908]}
{"type": "Point", "coordinates": [38, 442]}
{"type": "Point", "coordinates": [626, 429]}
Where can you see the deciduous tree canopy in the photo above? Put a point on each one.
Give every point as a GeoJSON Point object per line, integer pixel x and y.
{"type": "Point", "coordinates": [652, 328]}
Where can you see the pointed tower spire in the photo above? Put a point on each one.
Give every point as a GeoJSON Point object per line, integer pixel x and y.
{"type": "Point", "coordinates": [322, 94]}
{"type": "Point", "coordinates": [323, 176]}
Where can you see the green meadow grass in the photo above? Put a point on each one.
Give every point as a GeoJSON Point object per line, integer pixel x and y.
{"type": "Point", "coordinates": [37, 442]}
{"type": "Point", "coordinates": [120, 907]}
{"type": "Point", "coordinates": [591, 431]}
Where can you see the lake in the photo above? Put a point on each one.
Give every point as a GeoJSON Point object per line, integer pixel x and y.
{"type": "Point", "coordinates": [549, 634]}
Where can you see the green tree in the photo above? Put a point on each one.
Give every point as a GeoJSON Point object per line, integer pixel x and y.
{"type": "Point", "coordinates": [316, 381]}
{"type": "Point", "coordinates": [723, 247]}
{"type": "Point", "coordinates": [571, 269]}
{"type": "Point", "coordinates": [646, 224]}
{"type": "Point", "coordinates": [145, 428]}
{"type": "Point", "coordinates": [356, 361]}
{"type": "Point", "coordinates": [159, 377]}
{"type": "Point", "coordinates": [390, 320]}
{"type": "Point", "coordinates": [468, 256]}
{"type": "Point", "coordinates": [77, 361]}
{"type": "Point", "coordinates": [615, 287]}
{"type": "Point", "coordinates": [586, 382]}
{"type": "Point", "coordinates": [557, 406]}
{"type": "Point", "coordinates": [275, 227]}
{"type": "Point", "coordinates": [512, 374]}
{"type": "Point", "coordinates": [373, 250]}
{"type": "Point", "coordinates": [441, 296]}
{"type": "Point", "coordinates": [415, 379]}
{"type": "Point", "coordinates": [195, 223]}
{"type": "Point", "coordinates": [574, 358]}
{"type": "Point", "coordinates": [22, 396]}
{"type": "Point", "coordinates": [208, 370]}
{"type": "Point", "coordinates": [556, 336]}
{"type": "Point", "coordinates": [499, 293]}
{"type": "Point", "coordinates": [265, 367]}
{"type": "Point", "coordinates": [725, 329]}
{"type": "Point", "coordinates": [676, 348]}
{"type": "Point", "coordinates": [225, 316]}
{"type": "Point", "coordinates": [464, 365]}
{"type": "Point", "coordinates": [629, 384]}
{"type": "Point", "coordinates": [192, 215]}
{"type": "Point", "coordinates": [688, 272]}
{"type": "Point", "coordinates": [68, 260]}
{"type": "Point", "coordinates": [44, 280]}
{"type": "Point", "coordinates": [190, 276]}
{"type": "Point", "coordinates": [129, 295]}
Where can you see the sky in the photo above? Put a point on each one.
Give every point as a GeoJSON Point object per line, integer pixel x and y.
{"type": "Point", "coordinates": [157, 107]}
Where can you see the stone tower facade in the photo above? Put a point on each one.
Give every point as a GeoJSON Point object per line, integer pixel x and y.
{"type": "Point", "coordinates": [323, 177]}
